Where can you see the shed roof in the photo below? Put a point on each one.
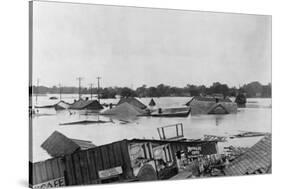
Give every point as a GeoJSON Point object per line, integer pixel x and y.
{"type": "Point", "coordinates": [58, 144]}
{"type": "Point", "coordinates": [256, 160]}
{"type": "Point", "coordinates": [133, 101]}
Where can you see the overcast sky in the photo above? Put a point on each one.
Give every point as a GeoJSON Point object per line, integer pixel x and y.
{"type": "Point", "coordinates": [133, 46]}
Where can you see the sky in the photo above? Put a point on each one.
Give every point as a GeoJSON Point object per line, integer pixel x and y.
{"type": "Point", "coordinates": [128, 46]}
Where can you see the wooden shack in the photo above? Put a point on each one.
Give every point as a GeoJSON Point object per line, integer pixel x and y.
{"type": "Point", "coordinates": [126, 161]}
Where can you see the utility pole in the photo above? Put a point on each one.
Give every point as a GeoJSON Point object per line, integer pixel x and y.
{"type": "Point", "coordinates": [60, 90]}
{"type": "Point", "coordinates": [91, 90]}
{"type": "Point", "coordinates": [79, 90]}
{"type": "Point", "coordinates": [98, 78]}
{"type": "Point", "coordinates": [37, 91]}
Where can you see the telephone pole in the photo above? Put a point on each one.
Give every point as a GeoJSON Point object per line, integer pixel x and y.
{"type": "Point", "coordinates": [91, 90]}
{"type": "Point", "coordinates": [98, 78]}
{"type": "Point", "coordinates": [79, 89]}
{"type": "Point", "coordinates": [60, 90]}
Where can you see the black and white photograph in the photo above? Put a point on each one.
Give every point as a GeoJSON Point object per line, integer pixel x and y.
{"type": "Point", "coordinates": [121, 94]}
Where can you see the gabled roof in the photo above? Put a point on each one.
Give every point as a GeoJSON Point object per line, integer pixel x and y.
{"type": "Point", "coordinates": [83, 104]}
{"type": "Point", "coordinates": [256, 160]}
{"type": "Point", "coordinates": [217, 108]}
{"type": "Point", "coordinates": [58, 145]}
{"type": "Point", "coordinates": [207, 99]}
{"type": "Point", "coordinates": [133, 101]}
{"type": "Point", "coordinates": [152, 102]}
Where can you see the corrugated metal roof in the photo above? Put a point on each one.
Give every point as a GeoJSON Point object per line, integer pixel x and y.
{"type": "Point", "coordinates": [256, 160]}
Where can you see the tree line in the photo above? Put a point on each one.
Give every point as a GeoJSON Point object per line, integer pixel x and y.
{"type": "Point", "coordinates": [253, 89]}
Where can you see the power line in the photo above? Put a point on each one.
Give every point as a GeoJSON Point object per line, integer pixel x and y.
{"type": "Point", "coordinates": [60, 90]}
{"type": "Point", "coordinates": [91, 90]}
{"type": "Point", "coordinates": [98, 78]}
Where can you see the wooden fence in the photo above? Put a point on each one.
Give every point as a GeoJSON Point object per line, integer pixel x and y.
{"type": "Point", "coordinates": [84, 167]}
{"type": "Point", "coordinates": [48, 170]}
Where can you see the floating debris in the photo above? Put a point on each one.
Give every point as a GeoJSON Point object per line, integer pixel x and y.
{"type": "Point", "coordinates": [84, 122]}
{"type": "Point", "coordinates": [249, 134]}
{"type": "Point", "coordinates": [172, 112]}
{"type": "Point", "coordinates": [214, 137]}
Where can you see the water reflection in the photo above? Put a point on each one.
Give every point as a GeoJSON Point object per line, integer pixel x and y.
{"type": "Point", "coordinates": [218, 119]}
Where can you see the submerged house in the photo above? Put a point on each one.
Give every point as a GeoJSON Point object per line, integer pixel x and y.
{"type": "Point", "coordinates": [61, 105]}
{"type": "Point", "coordinates": [124, 110]}
{"type": "Point", "coordinates": [257, 160]}
{"type": "Point", "coordinates": [211, 105]}
{"type": "Point", "coordinates": [133, 101]}
{"type": "Point", "coordinates": [86, 105]}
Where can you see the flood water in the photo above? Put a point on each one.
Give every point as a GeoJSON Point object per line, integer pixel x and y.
{"type": "Point", "coordinates": [255, 117]}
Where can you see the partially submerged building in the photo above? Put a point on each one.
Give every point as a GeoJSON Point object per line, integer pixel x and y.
{"type": "Point", "coordinates": [211, 105]}
{"type": "Point", "coordinates": [121, 161]}
{"type": "Point", "coordinates": [124, 110]}
{"type": "Point", "coordinates": [61, 105]}
{"type": "Point", "coordinates": [256, 160]}
{"type": "Point", "coordinates": [86, 105]}
{"type": "Point", "coordinates": [133, 101]}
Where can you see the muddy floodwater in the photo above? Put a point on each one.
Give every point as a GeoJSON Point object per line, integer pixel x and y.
{"type": "Point", "coordinates": [255, 117]}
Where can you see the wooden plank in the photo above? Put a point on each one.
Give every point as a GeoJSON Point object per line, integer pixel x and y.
{"type": "Point", "coordinates": [37, 173]}
{"type": "Point", "coordinates": [70, 175]}
{"type": "Point", "coordinates": [117, 153]}
{"type": "Point", "coordinates": [98, 159]}
{"type": "Point", "coordinates": [43, 171]}
{"type": "Point", "coordinates": [49, 168]}
{"type": "Point", "coordinates": [77, 168]}
{"type": "Point", "coordinates": [92, 167]}
{"type": "Point", "coordinates": [126, 163]}
{"type": "Point", "coordinates": [61, 166]}
{"type": "Point", "coordinates": [163, 133]}
{"type": "Point", "coordinates": [84, 167]}
{"type": "Point", "coordinates": [105, 158]}
{"type": "Point", "coordinates": [55, 168]}
{"type": "Point", "coordinates": [111, 156]}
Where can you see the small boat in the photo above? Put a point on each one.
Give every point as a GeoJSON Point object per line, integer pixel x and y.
{"type": "Point", "coordinates": [53, 98]}
{"type": "Point", "coordinates": [172, 112]}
